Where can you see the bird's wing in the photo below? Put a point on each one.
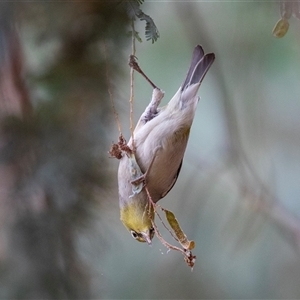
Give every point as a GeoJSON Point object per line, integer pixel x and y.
{"type": "Point", "coordinates": [173, 182]}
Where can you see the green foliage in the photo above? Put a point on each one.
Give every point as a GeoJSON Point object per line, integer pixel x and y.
{"type": "Point", "coordinates": [133, 10]}
{"type": "Point", "coordinates": [151, 30]}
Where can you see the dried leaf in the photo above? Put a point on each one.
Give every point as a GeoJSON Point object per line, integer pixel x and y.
{"type": "Point", "coordinates": [182, 238]}
{"type": "Point", "coordinates": [281, 28]}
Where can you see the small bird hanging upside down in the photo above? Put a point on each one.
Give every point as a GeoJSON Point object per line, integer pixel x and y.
{"type": "Point", "coordinates": [153, 161]}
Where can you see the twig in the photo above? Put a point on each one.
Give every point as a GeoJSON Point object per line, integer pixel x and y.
{"type": "Point", "coordinates": [132, 88]}
{"type": "Point", "coordinates": [109, 89]}
{"type": "Point", "coordinates": [189, 258]}
{"type": "Point", "coordinates": [154, 205]}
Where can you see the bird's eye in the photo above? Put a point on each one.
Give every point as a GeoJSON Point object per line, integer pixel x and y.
{"type": "Point", "coordinates": [134, 234]}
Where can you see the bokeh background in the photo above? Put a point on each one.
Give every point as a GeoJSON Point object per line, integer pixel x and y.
{"type": "Point", "coordinates": [238, 193]}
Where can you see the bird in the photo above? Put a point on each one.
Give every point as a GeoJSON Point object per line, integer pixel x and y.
{"type": "Point", "coordinates": [156, 149]}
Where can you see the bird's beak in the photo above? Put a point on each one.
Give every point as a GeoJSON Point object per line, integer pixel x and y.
{"type": "Point", "coordinates": [147, 238]}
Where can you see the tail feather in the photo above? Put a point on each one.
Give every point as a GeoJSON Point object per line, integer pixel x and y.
{"type": "Point", "coordinates": [200, 64]}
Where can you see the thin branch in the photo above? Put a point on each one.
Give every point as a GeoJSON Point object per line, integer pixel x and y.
{"type": "Point", "coordinates": [109, 89]}
{"type": "Point", "coordinates": [132, 89]}
{"type": "Point", "coordinates": [189, 258]}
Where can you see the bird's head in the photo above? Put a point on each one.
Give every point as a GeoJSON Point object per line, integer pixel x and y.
{"type": "Point", "coordinates": [137, 219]}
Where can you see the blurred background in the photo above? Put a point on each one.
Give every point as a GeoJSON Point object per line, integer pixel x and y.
{"type": "Point", "coordinates": [238, 192]}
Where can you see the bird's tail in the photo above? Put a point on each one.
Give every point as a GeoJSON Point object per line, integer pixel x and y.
{"type": "Point", "coordinates": [186, 96]}
{"type": "Point", "coordinates": [200, 64]}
